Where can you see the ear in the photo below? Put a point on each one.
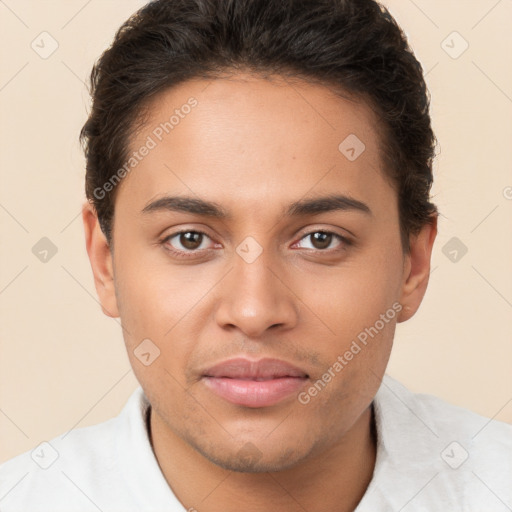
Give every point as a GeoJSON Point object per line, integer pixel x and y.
{"type": "Point", "coordinates": [417, 269]}
{"type": "Point", "coordinates": [100, 257]}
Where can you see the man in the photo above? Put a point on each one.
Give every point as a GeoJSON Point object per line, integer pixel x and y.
{"type": "Point", "coordinates": [258, 216]}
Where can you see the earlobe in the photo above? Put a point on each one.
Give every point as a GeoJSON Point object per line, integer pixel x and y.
{"type": "Point", "coordinates": [100, 257]}
{"type": "Point", "coordinates": [417, 270]}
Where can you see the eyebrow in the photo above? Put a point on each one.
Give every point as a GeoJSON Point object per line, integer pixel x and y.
{"type": "Point", "coordinates": [299, 208]}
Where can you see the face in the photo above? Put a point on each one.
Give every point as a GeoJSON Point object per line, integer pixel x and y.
{"type": "Point", "coordinates": [261, 261]}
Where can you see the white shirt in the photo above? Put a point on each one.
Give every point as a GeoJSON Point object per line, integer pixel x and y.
{"type": "Point", "coordinates": [431, 456]}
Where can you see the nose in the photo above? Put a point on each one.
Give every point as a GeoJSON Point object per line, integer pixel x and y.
{"type": "Point", "coordinates": [255, 297]}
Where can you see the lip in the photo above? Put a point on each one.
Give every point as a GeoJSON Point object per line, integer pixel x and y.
{"type": "Point", "coordinates": [254, 384]}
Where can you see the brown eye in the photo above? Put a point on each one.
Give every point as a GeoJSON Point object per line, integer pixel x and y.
{"type": "Point", "coordinates": [321, 240]}
{"type": "Point", "coordinates": [187, 241]}
{"type": "Point", "coordinates": [191, 240]}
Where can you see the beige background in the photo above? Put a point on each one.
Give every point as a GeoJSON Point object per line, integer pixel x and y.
{"type": "Point", "coordinates": [63, 363]}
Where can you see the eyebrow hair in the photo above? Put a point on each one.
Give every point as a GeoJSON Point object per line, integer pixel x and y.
{"type": "Point", "coordinates": [188, 205]}
{"type": "Point", "coordinates": [329, 203]}
{"type": "Point", "coordinates": [299, 208]}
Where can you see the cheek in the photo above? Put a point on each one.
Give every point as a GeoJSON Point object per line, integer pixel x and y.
{"type": "Point", "coordinates": [353, 296]}
{"type": "Point", "coordinates": [162, 303]}
{"type": "Point", "coordinates": [153, 295]}
{"type": "Point", "coordinates": [355, 312]}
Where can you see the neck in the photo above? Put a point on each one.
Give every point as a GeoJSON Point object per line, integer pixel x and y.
{"type": "Point", "coordinates": [333, 480]}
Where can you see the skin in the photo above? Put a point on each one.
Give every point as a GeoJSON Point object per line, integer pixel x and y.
{"type": "Point", "coordinates": [253, 146]}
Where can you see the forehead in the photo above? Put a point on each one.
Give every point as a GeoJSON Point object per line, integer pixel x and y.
{"type": "Point", "coordinates": [258, 137]}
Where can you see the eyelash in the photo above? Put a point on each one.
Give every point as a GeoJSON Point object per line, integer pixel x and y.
{"type": "Point", "coordinates": [192, 253]}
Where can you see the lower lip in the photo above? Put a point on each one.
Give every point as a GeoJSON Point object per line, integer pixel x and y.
{"type": "Point", "coordinates": [252, 393]}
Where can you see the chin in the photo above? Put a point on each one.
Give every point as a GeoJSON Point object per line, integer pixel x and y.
{"type": "Point", "coordinates": [250, 459]}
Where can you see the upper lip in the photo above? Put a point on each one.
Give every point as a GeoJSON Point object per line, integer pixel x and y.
{"type": "Point", "coordinates": [241, 368]}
